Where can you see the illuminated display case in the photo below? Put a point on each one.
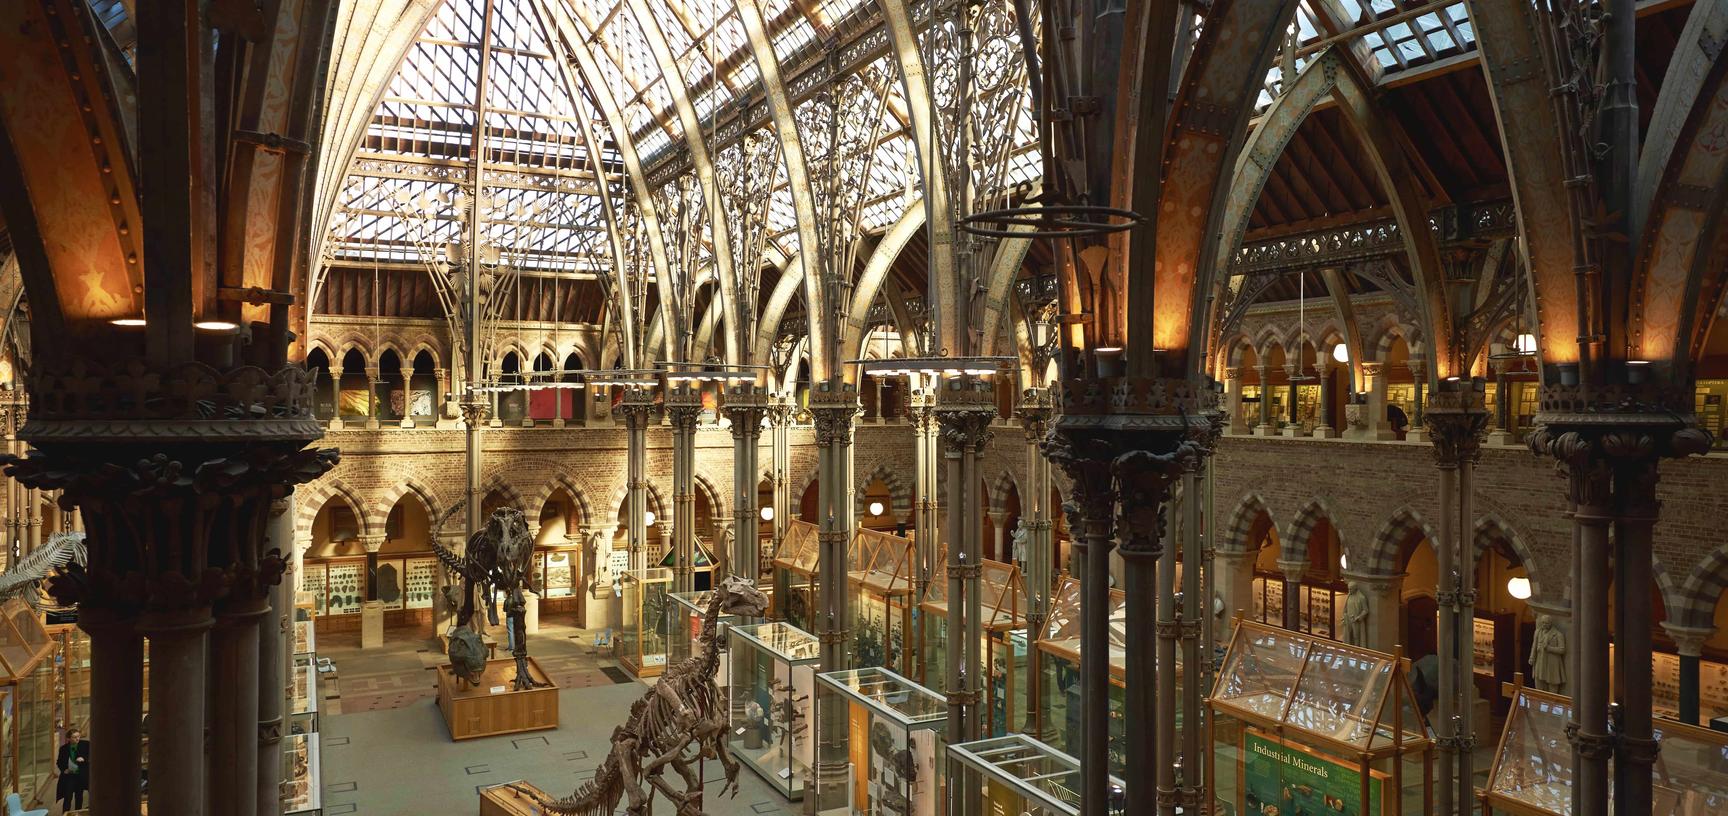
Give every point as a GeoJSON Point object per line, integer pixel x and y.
{"type": "Point", "coordinates": [1059, 673]}
{"type": "Point", "coordinates": [1002, 610]}
{"type": "Point", "coordinates": [640, 643]}
{"type": "Point", "coordinates": [894, 743]}
{"type": "Point", "coordinates": [1319, 605]}
{"type": "Point", "coordinates": [880, 579]}
{"type": "Point", "coordinates": [1025, 777]}
{"type": "Point", "coordinates": [1532, 770]}
{"type": "Point", "coordinates": [702, 573]}
{"type": "Point", "coordinates": [556, 571]}
{"type": "Point", "coordinates": [29, 735]}
{"type": "Point", "coordinates": [1307, 725]}
{"type": "Point", "coordinates": [773, 671]}
{"type": "Point", "coordinates": [71, 675]}
{"type": "Point", "coordinates": [795, 575]}
{"type": "Point", "coordinates": [302, 789]}
{"type": "Point", "coordinates": [684, 627]}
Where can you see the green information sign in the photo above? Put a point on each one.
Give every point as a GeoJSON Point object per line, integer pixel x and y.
{"type": "Point", "coordinates": [1281, 780]}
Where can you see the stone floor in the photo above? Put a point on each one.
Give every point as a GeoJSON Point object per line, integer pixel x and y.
{"type": "Point", "coordinates": [386, 751]}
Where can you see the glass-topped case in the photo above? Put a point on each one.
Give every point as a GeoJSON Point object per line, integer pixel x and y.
{"type": "Point", "coordinates": [1002, 610]}
{"type": "Point", "coordinates": [640, 644]}
{"type": "Point", "coordinates": [894, 743]}
{"type": "Point", "coordinates": [1532, 770]}
{"type": "Point", "coordinates": [773, 671]}
{"type": "Point", "coordinates": [684, 628]}
{"type": "Point", "coordinates": [1025, 777]}
{"type": "Point", "coordinates": [29, 735]}
{"type": "Point", "coordinates": [303, 696]}
{"type": "Point", "coordinates": [795, 575]}
{"type": "Point", "coordinates": [702, 572]}
{"type": "Point", "coordinates": [1059, 686]}
{"type": "Point", "coordinates": [1312, 725]}
{"type": "Point", "coordinates": [302, 790]}
{"type": "Point", "coordinates": [71, 675]}
{"type": "Point", "coordinates": [880, 582]}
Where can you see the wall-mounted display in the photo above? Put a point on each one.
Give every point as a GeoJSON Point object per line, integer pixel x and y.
{"type": "Point", "coordinates": [1308, 725]}
{"type": "Point", "coordinates": [421, 583]}
{"type": "Point", "coordinates": [345, 587]}
{"type": "Point", "coordinates": [894, 738]}
{"type": "Point", "coordinates": [556, 571]}
{"type": "Point", "coordinates": [314, 583]}
{"type": "Point", "coordinates": [772, 668]}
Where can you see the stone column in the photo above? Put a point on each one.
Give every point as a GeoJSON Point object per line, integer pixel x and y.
{"type": "Point", "coordinates": [1374, 381]}
{"type": "Point", "coordinates": [638, 410]}
{"type": "Point", "coordinates": [372, 609]}
{"type": "Point", "coordinates": [780, 420]}
{"type": "Point", "coordinates": [1608, 441]}
{"type": "Point", "coordinates": [1034, 412]}
{"type": "Point", "coordinates": [1418, 419]}
{"type": "Point", "coordinates": [178, 694]}
{"type": "Point", "coordinates": [1384, 593]}
{"type": "Point", "coordinates": [1293, 574]}
{"type": "Point", "coordinates": [1293, 414]}
{"type": "Point", "coordinates": [1265, 427]}
{"type": "Point", "coordinates": [1689, 641]}
{"type": "Point", "coordinates": [926, 513]}
{"type": "Point", "coordinates": [1148, 571]}
{"type": "Point", "coordinates": [336, 373]}
{"type": "Point", "coordinates": [683, 409]}
{"type": "Point", "coordinates": [746, 405]}
{"type": "Point", "coordinates": [116, 707]}
{"type": "Point", "coordinates": [1233, 400]}
{"type": "Point", "coordinates": [835, 407]}
{"type": "Point", "coordinates": [441, 378]}
{"type": "Point", "coordinates": [275, 671]}
{"type": "Point", "coordinates": [1326, 424]}
{"type": "Point", "coordinates": [1501, 433]}
{"type": "Point", "coordinates": [372, 407]}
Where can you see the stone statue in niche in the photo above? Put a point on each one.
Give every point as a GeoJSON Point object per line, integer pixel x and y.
{"type": "Point", "coordinates": [1021, 537]}
{"type": "Point", "coordinates": [1548, 656]}
{"type": "Point", "coordinates": [1355, 623]}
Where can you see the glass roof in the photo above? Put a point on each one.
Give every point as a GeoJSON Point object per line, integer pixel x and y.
{"type": "Point", "coordinates": [1401, 34]}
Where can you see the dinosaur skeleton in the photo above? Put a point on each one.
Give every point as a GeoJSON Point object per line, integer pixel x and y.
{"type": "Point", "coordinates": [680, 720]}
{"type": "Point", "coordinates": [24, 579]}
{"type": "Point", "coordinates": [498, 559]}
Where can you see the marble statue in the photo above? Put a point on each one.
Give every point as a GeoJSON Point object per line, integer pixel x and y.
{"type": "Point", "coordinates": [1021, 538]}
{"type": "Point", "coordinates": [1548, 656]}
{"type": "Point", "coordinates": [1355, 628]}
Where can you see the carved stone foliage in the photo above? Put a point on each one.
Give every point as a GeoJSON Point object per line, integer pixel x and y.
{"type": "Point", "coordinates": [1144, 479]}
{"type": "Point", "coordinates": [1178, 402]}
{"type": "Point", "coordinates": [1609, 457]}
{"type": "Point", "coordinates": [1456, 420]}
{"type": "Point", "coordinates": [83, 399]}
{"type": "Point", "coordinates": [833, 422]}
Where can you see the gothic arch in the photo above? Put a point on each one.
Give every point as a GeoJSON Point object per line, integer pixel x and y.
{"type": "Point", "coordinates": [1301, 529]}
{"type": "Point", "coordinates": [718, 509]}
{"type": "Point", "coordinates": [563, 482]}
{"type": "Point", "coordinates": [999, 493]}
{"type": "Point", "coordinates": [1693, 602]}
{"type": "Point", "coordinates": [1489, 527]}
{"type": "Point", "coordinates": [1388, 545]}
{"type": "Point", "coordinates": [899, 489]}
{"type": "Point", "coordinates": [1248, 513]}
{"type": "Point", "coordinates": [322, 492]}
{"type": "Point", "coordinates": [410, 488]}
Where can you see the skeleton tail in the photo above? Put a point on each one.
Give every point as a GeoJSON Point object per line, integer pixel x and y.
{"type": "Point", "coordinates": [597, 797]}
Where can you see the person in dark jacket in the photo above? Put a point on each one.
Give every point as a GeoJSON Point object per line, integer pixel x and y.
{"type": "Point", "coordinates": [73, 767]}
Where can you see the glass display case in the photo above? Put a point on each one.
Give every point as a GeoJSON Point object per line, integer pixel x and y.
{"type": "Point", "coordinates": [556, 571]}
{"type": "Point", "coordinates": [1303, 724]}
{"type": "Point", "coordinates": [1002, 610]}
{"type": "Point", "coordinates": [773, 671]}
{"type": "Point", "coordinates": [1058, 668]}
{"type": "Point", "coordinates": [879, 579]}
{"type": "Point", "coordinates": [702, 573]}
{"type": "Point", "coordinates": [29, 734]}
{"type": "Point", "coordinates": [640, 643]}
{"type": "Point", "coordinates": [894, 743]}
{"type": "Point", "coordinates": [1532, 770]}
{"type": "Point", "coordinates": [1025, 777]}
{"type": "Point", "coordinates": [795, 575]}
{"type": "Point", "coordinates": [71, 675]}
{"type": "Point", "coordinates": [684, 628]}
{"type": "Point", "coordinates": [303, 696]}
{"type": "Point", "coordinates": [302, 789]}
{"type": "Point", "coordinates": [305, 636]}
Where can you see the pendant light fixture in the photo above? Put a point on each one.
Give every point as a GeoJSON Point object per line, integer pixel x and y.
{"type": "Point", "coordinates": [1302, 376]}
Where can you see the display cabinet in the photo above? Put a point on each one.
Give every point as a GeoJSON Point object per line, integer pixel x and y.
{"type": "Point", "coordinates": [1025, 777]}
{"type": "Point", "coordinates": [795, 575]}
{"type": "Point", "coordinates": [1307, 725]}
{"type": "Point", "coordinates": [29, 735]}
{"type": "Point", "coordinates": [1318, 605]}
{"type": "Point", "coordinates": [684, 627]}
{"type": "Point", "coordinates": [702, 572]}
{"type": "Point", "coordinates": [1058, 666]}
{"type": "Point", "coordinates": [71, 675]}
{"type": "Point", "coordinates": [556, 572]}
{"type": "Point", "coordinates": [302, 789]}
{"type": "Point", "coordinates": [773, 670]}
{"type": "Point", "coordinates": [1002, 609]}
{"type": "Point", "coordinates": [640, 643]}
{"type": "Point", "coordinates": [880, 575]}
{"type": "Point", "coordinates": [1532, 770]}
{"type": "Point", "coordinates": [305, 634]}
{"type": "Point", "coordinates": [303, 696]}
{"type": "Point", "coordinates": [894, 743]}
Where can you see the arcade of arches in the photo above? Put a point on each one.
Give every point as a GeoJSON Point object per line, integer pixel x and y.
{"type": "Point", "coordinates": [1068, 407]}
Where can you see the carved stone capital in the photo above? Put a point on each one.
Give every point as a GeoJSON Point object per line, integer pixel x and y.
{"type": "Point", "coordinates": [683, 409]}
{"type": "Point", "coordinates": [1136, 402]}
{"type": "Point", "coordinates": [1456, 417]}
{"type": "Point", "coordinates": [1610, 459]}
{"type": "Point", "coordinates": [1144, 479]}
{"type": "Point", "coordinates": [637, 408]}
{"type": "Point", "coordinates": [745, 408]}
{"type": "Point", "coordinates": [372, 543]}
{"type": "Point", "coordinates": [1086, 456]}
{"type": "Point", "coordinates": [1688, 640]}
{"type": "Point", "coordinates": [474, 410]}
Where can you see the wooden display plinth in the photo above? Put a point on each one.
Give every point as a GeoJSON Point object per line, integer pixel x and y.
{"type": "Point", "coordinates": [491, 708]}
{"type": "Point", "coordinates": [499, 800]}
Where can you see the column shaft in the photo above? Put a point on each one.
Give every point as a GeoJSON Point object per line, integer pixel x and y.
{"type": "Point", "coordinates": [1590, 641]}
{"type": "Point", "coordinates": [1466, 632]}
{"type": "Point", "coordinates": [116, 711]}
{"type": "Point", "coordinates": [1445, 708]}
{"type": "Point", "coordinates": [1635, 755]}
{"type": "Point", "coordinates": [235, 659]}
{"type": "Point", "coordinates": [1192, 611]}
{"type": "Point", "coordinates": [178, 671]}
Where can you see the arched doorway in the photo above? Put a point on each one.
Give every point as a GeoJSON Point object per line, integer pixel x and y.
{"type": "Point", "coordinates": [559, 569]}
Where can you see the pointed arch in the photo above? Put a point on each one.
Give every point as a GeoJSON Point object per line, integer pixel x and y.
{"type": "Point", "coordinates": [1393, 540]}
{"type": "Point", "coordinates": [1302, 527]}
{"type": "Point", "coordinates": [899, 488]}
{"type": "Point", "coordinates": [413, 490]}
{"type": "Point", "coordinates": [324, 491]}
{"type": "Point", "coordinates": [1250, 513]}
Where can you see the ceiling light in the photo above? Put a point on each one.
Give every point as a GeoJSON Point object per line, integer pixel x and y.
{"type": "Point", "coordinates": [216, 325]}
{"type": "Point", "coordinates": [1526, 344]}
{"type": "Point", "coordinates": [128, 322]}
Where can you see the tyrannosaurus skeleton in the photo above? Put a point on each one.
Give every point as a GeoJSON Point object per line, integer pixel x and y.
{"type": "Point", "coordinates": [498, 559]}
{"type": "Point", "coordinates": [681, 719]}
